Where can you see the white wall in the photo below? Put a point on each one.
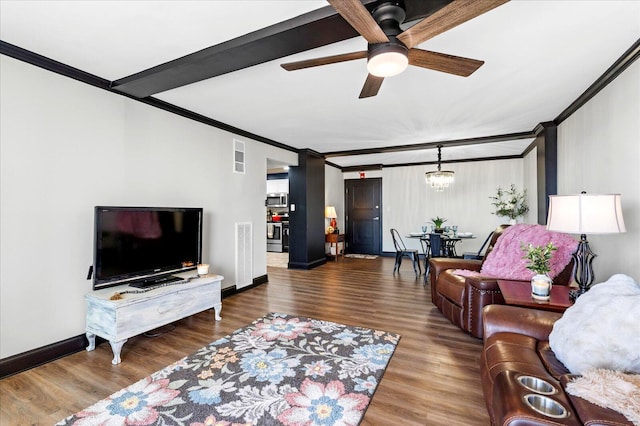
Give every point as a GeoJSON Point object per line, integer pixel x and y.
{"type": "Point", "coordinates": [599, 152]}
{"type": "Point", "coordinates": [334, 193]}
{"type": "Point", "coordinates": [66, 147]}
{"type": "Point", "coordinates": [408, 202]}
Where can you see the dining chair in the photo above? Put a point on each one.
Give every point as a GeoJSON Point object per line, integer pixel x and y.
{"type": "Point", "coordinates": [450, 247]}
{"type": "Point", "coordinates": [402, 251]}
{"type": "Point", "coordinates": [437, 244]}
{"type": "Point", "coordinates": [425, 242]}
{"type": "Point", "coordinates": [478, 255]}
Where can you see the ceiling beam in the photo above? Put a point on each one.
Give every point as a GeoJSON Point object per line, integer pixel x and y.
{"type": "Point", "coordinates": [295, 35]}
{"type": "Point", "coordinates": [366, 167]}
{"type": "Point", "coordinates": [433, 145]}
{"type": "Point", "coordinates": [305, 32]}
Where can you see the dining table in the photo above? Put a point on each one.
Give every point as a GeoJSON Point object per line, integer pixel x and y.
{"type": "Point", "coordinates": [443, 246]}
{"type": "Point", "coordinates": [438, 245]}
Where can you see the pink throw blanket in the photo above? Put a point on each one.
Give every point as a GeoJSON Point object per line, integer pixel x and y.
{"type": "Point", "coordinates": [506, 259]}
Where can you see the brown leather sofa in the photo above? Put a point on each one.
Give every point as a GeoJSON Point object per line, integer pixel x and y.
{"type": "Point", "coordinates": [516, 348]}
{"type": "Point", "coordinates": [461, 299]}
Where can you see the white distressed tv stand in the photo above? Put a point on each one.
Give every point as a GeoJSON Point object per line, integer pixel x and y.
{"type": "Point", "coordinates": [118, 320]}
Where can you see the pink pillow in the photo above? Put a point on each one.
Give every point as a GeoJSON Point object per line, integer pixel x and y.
{"type": "Point", "coordinates": [506, 259]}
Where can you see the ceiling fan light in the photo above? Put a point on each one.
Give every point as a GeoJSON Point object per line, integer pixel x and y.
{"type": "Point", "coordinates": [387, 64]}
{"type": "Point", "coordinates": [387, 60]}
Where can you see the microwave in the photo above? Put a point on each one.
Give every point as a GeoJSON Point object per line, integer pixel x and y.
{"type": "Point", "coordinates": [277, 200]}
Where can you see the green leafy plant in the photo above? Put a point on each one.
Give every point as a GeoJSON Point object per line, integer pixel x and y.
{"type": "Point", "coordinates": [538, 257]}
{"type": "Point", "coordinates": [438, 221]}
{"type": "Point", "coordinates": [510, 202]}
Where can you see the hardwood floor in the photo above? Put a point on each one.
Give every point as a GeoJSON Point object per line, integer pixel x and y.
{"type": "Point", "coordinates": [433, 377]}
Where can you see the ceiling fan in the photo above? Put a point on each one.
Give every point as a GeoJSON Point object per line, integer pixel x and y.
{"type": "Point", "coordinates": [390, 49]}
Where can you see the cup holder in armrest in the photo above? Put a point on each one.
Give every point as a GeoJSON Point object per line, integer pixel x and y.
{"type": "Point", "coordinates": [537, 385]}
{"type": "Point", "coordinates": [546, 406]}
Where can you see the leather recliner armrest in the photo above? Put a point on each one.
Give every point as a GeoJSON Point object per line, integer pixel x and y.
{"type": "Point", "coordinates": [483, 283]}
{"type": "Point", "coordinates": [439, 264]}
{"type": "Point", "coordinates": [514, 319]}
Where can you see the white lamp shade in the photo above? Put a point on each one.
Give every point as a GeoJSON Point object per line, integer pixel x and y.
{"type": "Point", "coordinates": [330, 212]}
{"type": "Point", "coordinates": [586, 214]}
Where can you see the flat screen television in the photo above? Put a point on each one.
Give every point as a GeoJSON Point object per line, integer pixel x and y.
{"type": "Point", "coordinates": [143, 246]}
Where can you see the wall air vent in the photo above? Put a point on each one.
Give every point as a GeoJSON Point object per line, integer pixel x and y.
{"type": "Point", "coordinates": [244, 254]}
{"type": "Point", "coordinates": [238, 156]}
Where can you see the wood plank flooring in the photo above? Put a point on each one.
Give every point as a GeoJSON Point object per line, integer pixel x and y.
{"type": "Point", "coordinates": [432, 379]}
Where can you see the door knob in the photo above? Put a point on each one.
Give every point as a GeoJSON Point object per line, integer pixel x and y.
{"type": "Point", "coordinates": [376, 218]}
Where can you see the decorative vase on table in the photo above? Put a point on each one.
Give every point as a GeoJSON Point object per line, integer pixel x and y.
{"type": "Point", "coordinates": [541, 286]}
{"type": "Point", "coordinates": [538, 259]}
{"type": "Point", "coordinates": [437, 224]}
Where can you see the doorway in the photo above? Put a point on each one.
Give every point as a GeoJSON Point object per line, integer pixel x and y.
{"type": "Point", "coordinates": [363, 204]}
{"type": "Point", "coordinates": [277, 213]}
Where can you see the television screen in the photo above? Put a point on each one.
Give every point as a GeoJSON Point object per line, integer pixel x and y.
{"type": "Point", "coordinates": [141, 244]}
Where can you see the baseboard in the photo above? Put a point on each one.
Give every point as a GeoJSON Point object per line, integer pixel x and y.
{"type": "Point", "coordinates": [35, 357]}
{"type": "Point", "coordinates": [307, 265]}
{"type": "Point", "coordinates": [21, 362]}
{"type": "Point", "coordinates": [229, 291]}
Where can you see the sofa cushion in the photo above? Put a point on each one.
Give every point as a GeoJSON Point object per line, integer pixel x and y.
{"type": "Point", "coordinates": [452, 286]}
{"type": "Point", "coordinates": [550, 361]}
{"type": "Point", "coordinates": [506, 260]}
{"type": "Point", "coordinates": [601, 329]}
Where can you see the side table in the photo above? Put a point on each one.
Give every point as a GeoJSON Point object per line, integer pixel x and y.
{"type": "Point", "coordinates": [518, 293]}
{"type": "Point", "coordinates": [335, 239]}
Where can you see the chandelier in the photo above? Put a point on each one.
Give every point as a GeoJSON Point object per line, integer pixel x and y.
{"type": "Point", "coordinates": [440, 179]}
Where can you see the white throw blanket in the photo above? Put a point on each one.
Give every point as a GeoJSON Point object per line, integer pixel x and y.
{"type": "Point", "coordinates": [610, 389]}
{"type": "Point", "coordinates": [602, 329]}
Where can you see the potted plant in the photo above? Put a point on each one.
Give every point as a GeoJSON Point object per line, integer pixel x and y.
{"type": "Point", "coordinates": [510, 203]}
{"type": "Point", "coordinates": [538, 258]}
{"type": "Point", "coordinates": [437, 223]}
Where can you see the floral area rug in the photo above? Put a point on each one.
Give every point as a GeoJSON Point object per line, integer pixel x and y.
{"type": "Point", "coordinates": [280, 370]}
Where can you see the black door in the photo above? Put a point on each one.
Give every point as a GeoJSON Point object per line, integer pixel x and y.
{"type": "Point", "coordinates": [364, 215]}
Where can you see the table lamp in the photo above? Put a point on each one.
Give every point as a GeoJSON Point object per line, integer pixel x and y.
{"type": "Point", "coordinates": [585, 214]}
{"type": "Point", "coordinates": [330, 213]}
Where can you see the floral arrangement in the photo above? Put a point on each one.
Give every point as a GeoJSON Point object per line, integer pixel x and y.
{"type": "Point", "coordinates": [438, 221]}
{"type": "Point", "coordinates": [538, 257]}
{"type": "Point", "coordinates": [510, 202]}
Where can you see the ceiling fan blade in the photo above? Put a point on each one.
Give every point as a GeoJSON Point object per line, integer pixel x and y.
{"type": "Point", "coordinates": [292, 66]}
{"type": "Point", "coordinates": [450, 16]}
{"type": "Point", "coordinates": [360, 19]}
{"type": "Point", "coordinates": [445, 63]}
{"type": "Point", "coordinates": [371, 86]}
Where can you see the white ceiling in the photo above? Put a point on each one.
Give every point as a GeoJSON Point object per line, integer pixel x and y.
{"type": "Point", "coordinates": [539, 57]}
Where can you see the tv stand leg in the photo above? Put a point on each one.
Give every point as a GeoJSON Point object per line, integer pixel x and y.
{"type": "Point", "coordinates": [116, 347]}
{"type": "Point", "coordinates": [92, 341]}
{"type": "Point", "coordinates": [216, 309]}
